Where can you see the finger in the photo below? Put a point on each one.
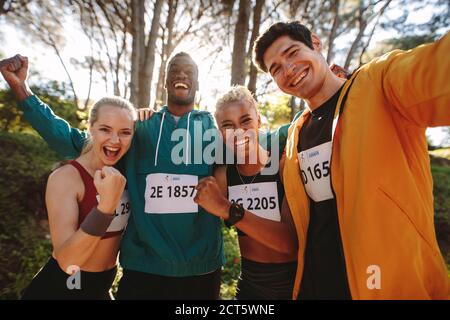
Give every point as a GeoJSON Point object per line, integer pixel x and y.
{"type": "Point", "coordinates": [146, 114]}
{"type": "Point", "coordinates": [140, 115]}
{"type": "Point", "coordinates": [24, 61]}
{"type": "Point", "coordinates": [105, 171]}
{"type": "Point", "coordinates": [200, 185]}
{"type": "Point", "coordinates": [97, 175]}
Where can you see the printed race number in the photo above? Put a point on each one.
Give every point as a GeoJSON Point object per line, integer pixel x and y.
{"type": "Point", "coordinates": [315, 170]}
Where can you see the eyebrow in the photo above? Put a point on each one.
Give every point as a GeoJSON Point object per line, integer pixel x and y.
{"type": "Point", "coordinates": [226, 122]}
{"type": "Point", "coordinates": [282, 54]}
{"type": "Point", "coordinates": [106, 126]}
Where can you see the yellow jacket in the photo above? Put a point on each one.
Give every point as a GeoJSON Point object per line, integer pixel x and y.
{"type": "Point", "coordinates": [380, 172]}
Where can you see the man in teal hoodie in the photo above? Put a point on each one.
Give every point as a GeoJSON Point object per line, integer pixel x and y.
{"type": "Point", "coordinates": [172, 249]}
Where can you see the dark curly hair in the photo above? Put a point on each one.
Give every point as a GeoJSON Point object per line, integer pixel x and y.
{"type": "Point", "coordinates": [294, 29]}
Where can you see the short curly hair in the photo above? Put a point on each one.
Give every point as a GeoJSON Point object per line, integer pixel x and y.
{"type": "Point", "coordinates": [235, 94]}
{"type": "Point", "coordinates": [294, 29]}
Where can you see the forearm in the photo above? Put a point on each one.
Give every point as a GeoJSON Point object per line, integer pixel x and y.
{"type": "Point", "coordinates": [61, 137]}
{"type": "Point", "coordinates": [21, 92]}
{"type": "Point", "coordinates": [76, 250]}
{"type": "Point", "coordinates": [276, 235]}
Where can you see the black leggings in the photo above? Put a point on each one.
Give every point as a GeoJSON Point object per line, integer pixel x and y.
{"type": "Point", "coordinates": [266, 281]}
{"type": "Point", "coordinates": [141, 285]}
{"type": "Point", "coordinates": [51, 284]}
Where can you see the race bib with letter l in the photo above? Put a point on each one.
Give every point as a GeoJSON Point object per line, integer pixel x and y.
{"type": "Point", "coordinates": [121, 215]}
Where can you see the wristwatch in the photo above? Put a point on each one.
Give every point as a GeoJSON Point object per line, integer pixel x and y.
{"type": "Point", "coordinates": [236, 213]}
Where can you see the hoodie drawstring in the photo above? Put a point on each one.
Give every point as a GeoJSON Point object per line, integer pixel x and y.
{"type": "Point", "coordinates": [187, 138]}
{"type": "Point", "coordinates": [159, 138]}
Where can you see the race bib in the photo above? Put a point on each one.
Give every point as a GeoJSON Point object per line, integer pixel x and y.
{"type": "Point", "coordinates": [260, 198]}
{"type": "Point", "coordinates": [170, 193]}
{"type": "Point", "coordinates": [121, 215]}
{"type": "Point", "coordinates": [315, 170]}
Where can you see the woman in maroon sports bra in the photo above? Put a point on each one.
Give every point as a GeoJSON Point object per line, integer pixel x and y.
{"type": "Point", "coordinates": [88, 209]}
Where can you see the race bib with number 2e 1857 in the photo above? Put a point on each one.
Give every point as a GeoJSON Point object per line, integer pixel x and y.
{"type": "Point", "coordinates": [315, 170]}
{"type": "Point", "coordinates": [260, 198]}
{"type": "Point", "coordinates": [170, 193]}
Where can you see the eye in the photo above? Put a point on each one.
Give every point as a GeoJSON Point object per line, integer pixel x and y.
{"type": "Point", "coordinates": [292, 53]}
{"type": "Point", "coordinates": [126, 133]}
{"type": "Point", "coordinates": [275, 71]}
{"type": "Point", "coordinates": [104, 129]}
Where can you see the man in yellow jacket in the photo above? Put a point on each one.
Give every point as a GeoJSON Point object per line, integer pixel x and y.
{"type": "Point", "coordinates": [357, 172]}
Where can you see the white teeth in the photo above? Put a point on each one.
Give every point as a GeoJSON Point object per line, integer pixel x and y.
{"type": "Point", "coordinates": [181, 85]}
{"type": "Point", "coordinates": [112, 149]}
{"type": "Point", "coordinates": [300, 77]}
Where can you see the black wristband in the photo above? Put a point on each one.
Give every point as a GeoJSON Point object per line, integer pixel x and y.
{"type": "Point", "coordinates": [236, 213]}
{"type": "Point", "coordinates": [96, 223]}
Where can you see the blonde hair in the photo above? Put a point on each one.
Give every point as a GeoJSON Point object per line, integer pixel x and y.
{"type": "Point", "coordinates": [235, 94]}
{"type": "Point", "coordinates": [112, 101]}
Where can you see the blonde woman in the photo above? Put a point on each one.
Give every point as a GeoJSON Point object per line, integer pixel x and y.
{"type": "Point", "coordinates": [87, 204]}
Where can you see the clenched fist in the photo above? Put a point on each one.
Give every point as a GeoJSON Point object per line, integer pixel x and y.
{"type": "Point", "coordinates": [110, 184]}
{"type": "Point", "coordinates": [15, 72]}
{"type": "Point", "coordinates": [210, 198]}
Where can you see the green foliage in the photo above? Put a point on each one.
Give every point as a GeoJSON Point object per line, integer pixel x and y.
{"type": "Point", "coordinates": [402, 43]}
{"type": "Point", "coordinates": [232, 268]}
{"type": "Point", "coordinates": [440, 169]}
{"type": "Point", "coordinates": [24, 243]}
{"type": "Point", "coordinates": [54, 94]}
{"type": "Point", "coordinates": [275, 112]}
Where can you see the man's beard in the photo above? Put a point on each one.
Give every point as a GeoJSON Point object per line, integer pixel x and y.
{"type": "Point", "coordinates": [180, 101]}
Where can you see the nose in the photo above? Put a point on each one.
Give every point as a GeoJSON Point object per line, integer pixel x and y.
{"type": "Point", "coordinates": [289, 69]}
{"type": "Point", "coordinates": [181, 75]}
{"type": "Point", "coordinates": [115, 138]}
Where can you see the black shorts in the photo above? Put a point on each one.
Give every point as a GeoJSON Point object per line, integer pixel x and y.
{"type": "Point", "coordinates": [50, 283]}
{"type": "Point", "coordinates": [266, 281]}
{"type": "Point", "coordinates": [141, 285]}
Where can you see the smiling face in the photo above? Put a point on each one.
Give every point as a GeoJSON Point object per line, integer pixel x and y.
{"type": "Point", "coordinates": [181, 80]}
{"type": "Point", "coordinates": [111, 134]}
{"type": "Point", "coordinates": [239, 123]}
{"type": "Point", "coordinates": [297, 69]}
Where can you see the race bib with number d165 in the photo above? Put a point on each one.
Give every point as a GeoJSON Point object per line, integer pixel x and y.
{"type": "Point", "coordinates": [170, 193]}
{"type": "Point", "coordinates": [315, 170]}
{"type": "Point", "coordinates": [260, 198]}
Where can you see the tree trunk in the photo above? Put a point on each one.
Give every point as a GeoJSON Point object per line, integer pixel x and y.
{"type": "Point", "coordinates": [253, 74]}
{"type": "Point", "coordinates": [137, 30]}
{"type": "Point", "coordinates": [165, 53]}
{"type": "Point", "coordinates": [146, 72]}
{"type": "Point", "coordinates": [362, 27]}
{"type": "Point", "coordinates": [238, 71]}
{"type": "Point", "coordinates": [332, 36]}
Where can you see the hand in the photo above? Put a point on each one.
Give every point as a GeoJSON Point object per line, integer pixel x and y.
{"type": "Point", "coordinates": [15, 72]}
{"type": "Point", "coordinates": [210, 198]}
{"type": "Point", "coordinates": [110, 184]}
{"type": "Point", "coordinates": [145, 114]}
{"type": "Point", "coordinates": [339, 71]}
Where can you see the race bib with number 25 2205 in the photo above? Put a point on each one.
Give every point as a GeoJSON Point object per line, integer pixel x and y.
{"type": "Point", "coordinates": [260, 198]}
{"type": "Point", "coordinates": [170, 193]}
{"type": "Point", "coordinates": [315, 170]}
